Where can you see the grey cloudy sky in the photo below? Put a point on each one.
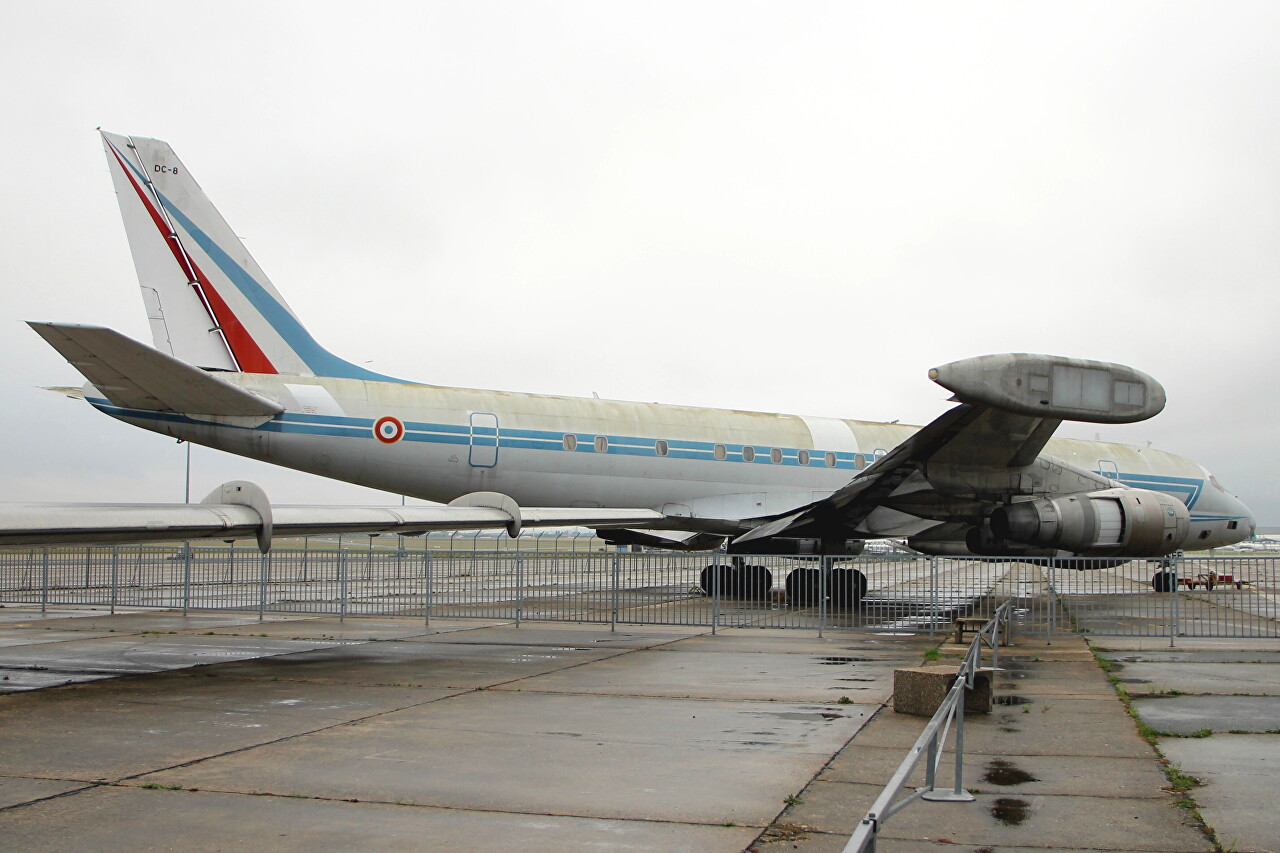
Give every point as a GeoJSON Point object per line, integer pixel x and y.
{"type": "Point", "coordinates": [784, 207]}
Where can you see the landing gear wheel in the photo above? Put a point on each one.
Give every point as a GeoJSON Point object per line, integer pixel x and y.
{"type": "Point", "coordinates": [754, 583]}
{"type": "Point", "coordinates": [848, 586]}
{"type": "Point", "coordinates": [721, 580]}
{"type": "Point", "coordinates": [803, 586]}
{"type": "Point", "coordinates": [1165, 581]}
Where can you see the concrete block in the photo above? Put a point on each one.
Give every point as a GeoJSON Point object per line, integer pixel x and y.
{"type": "Point", "coordinates": [920, 690]}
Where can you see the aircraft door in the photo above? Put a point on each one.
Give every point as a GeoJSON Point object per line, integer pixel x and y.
{"type": "Point", "coordinates": [484, 440]}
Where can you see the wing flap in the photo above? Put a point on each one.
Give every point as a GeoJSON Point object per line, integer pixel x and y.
{"type": "Point", "coordinates": [135, 376]}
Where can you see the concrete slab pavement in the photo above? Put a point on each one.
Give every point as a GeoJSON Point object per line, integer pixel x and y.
{"type": "Point", "coordinates": [1220, 686]}
{"type": "Point", "coordinates": [384, 734]}
{"type": "Point", "coordinates": [1062, 768]}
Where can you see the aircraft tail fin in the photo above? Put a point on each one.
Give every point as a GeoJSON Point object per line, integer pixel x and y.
{"type": "Point", "coordinates": [135, 376]}
{"type": "Point", "coordinates": [208, 301]}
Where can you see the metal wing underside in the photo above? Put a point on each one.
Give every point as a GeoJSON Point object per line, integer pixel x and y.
{"type": "Point", "coordinates": [969, 435]}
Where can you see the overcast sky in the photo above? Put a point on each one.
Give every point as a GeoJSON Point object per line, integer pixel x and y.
{"type": "Point", "coordinates": [792, 207]}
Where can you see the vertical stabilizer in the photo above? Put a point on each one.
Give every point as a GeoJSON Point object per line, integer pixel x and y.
{"type": "Point", "coordinates": [208, 301]}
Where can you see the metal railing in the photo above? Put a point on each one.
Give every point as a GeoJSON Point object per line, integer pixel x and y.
{"type": "Point", "coordinates": [929, 746]}
{"type": "Point", "coordinates": [579, 579]}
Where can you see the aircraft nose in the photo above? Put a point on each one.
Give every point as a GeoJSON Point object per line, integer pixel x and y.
{"type": "Point", "coordinates": [1250, 523]}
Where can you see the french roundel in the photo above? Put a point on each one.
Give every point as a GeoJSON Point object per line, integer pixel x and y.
{"type": "Point", "coordinates": [388, 430]}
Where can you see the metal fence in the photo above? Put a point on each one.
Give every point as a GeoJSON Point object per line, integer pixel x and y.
{"type": "Point", "coordinates": [568, 580]}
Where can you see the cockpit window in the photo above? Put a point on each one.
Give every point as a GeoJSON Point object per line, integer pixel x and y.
{"type": "Point", "coordinates": [1216, 484]}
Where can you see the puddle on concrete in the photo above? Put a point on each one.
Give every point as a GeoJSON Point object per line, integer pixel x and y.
{"type": "Point", "coordinates": [1011, 700]}
{"type": "Point", "coordinates": [1001, 772]}
{"type": "Point", "coordinates": [1010, 811]}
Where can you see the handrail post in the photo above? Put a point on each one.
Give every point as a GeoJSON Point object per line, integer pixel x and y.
{"type": "Point", "coordinates": [519, 587]}
{"type": "Point", "coordinates": [342, 584]}
{"type": "Point", "coordinates": [824, 578]}
{"type": "Point", "coordinates": [426, 601]}
{"type": "Point", "coordinates": [262, 585]}
{"type": "Point", "coordinates": [115, 575]}
{"type": "Point", "coordinates": [715, 594]}
{"type": "Point", "coordinates": [933, 596]}
{"type": "Point", "coordinates": [186, 577]}
{"type": "Point", "coordinates": [44, 582]}
{"type": "Point", "coordinates": [614, 585]}
{"type": "Point", "coordinates": [958, 792]}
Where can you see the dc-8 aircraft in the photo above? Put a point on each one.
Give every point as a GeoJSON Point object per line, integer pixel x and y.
{"type": "Point", "coordinates": [233, 368]}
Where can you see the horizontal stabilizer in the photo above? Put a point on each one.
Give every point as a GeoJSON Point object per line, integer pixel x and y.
{"type": "Point", "coordinates": [135, 376]}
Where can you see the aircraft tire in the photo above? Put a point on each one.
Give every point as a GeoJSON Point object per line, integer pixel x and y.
{"type": "Point", "coordinates": [848, 586]}
{"type": "Point", "coordinates": [754, 583]}
{"type": "Point", "coordinates": [804, 586]}
{"type": "Point", "coordinates": [1164, 581]}
{"type": "Point", "coordinates": [727, 580]}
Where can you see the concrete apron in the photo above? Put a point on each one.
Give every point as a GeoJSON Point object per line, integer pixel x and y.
{"type": "Point", "coordinates": [1061, 766]}
{"type": "Point", "coordinates": [377, 735]}
{"type": "Point", "coordinates": [1217, 702]}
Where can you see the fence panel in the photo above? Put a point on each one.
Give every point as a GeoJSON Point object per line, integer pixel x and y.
{"type": "Point", "coordinates": [1194, 596]}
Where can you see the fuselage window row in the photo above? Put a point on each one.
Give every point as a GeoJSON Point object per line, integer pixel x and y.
{"type": "Point", "coordinates": [661, 447]}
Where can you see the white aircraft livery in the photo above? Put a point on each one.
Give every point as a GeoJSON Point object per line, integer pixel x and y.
{"type": "Point", "coordinates": [232, 367]}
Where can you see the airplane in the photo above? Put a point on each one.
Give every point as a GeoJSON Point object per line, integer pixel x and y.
{"type": "Point", "coordinates": [233, 368]}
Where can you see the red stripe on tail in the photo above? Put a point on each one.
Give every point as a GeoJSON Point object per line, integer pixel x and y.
{"type": "Point", "coordinates": [244, 349]}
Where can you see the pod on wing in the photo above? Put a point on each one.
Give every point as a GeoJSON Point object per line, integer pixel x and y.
{"type": "Point", "coordinates": [1050, 386]}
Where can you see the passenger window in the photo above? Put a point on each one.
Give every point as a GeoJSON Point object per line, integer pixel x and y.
{"type": "Point", "coordinates": [775, 456]}
{"type": "Point", "coordinates": [660, 447]}
{"type": "Point", "coordinates": [831, 459]}
{"type": "Point", "coordinates": [602, 444]}
{"type": "Point", "coordinates": [570, 442]}
{"type": "Point", "coordinates": [1232, 525]}
{"type": "Point", "coordinates": [748, 454]}
{"type": "Point", "coordinates": [1204, 534]}
{"type": "Point", "coordinates": [804, 457]}
{"type": "Point", "coordinates": [719, 451]}
{"type": "Point", "coordinates": [859, 461]}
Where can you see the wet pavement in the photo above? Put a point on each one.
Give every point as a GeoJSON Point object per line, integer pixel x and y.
{"type": "Point", "coordinates": [153, 731]}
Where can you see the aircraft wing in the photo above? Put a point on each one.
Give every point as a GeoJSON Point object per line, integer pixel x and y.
{"type": "Point", "coordinates": [239, 510]}
{"type": "Point", "coordinates": [1010, 406]}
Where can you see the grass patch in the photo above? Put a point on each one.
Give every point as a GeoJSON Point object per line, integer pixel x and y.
{"type": "Point", "coordinates": [933, 654]}
{"type": "Point", "coordinates": [1179, 781]}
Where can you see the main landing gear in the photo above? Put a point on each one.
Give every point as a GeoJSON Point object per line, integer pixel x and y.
{"type": "Point", "coordinates": [845, 587]}
{"type": "Point", "coordinates": [750, 583]}
{"type": "Point", "coordinates": [1166, 580]}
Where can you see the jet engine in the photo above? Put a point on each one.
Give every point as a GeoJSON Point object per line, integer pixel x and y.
{"type": "Point", "coordinates": [1113, 522]}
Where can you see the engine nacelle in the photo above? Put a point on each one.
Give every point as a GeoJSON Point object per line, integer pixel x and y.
{"type": "Point", "coordinates": [1110, 523]}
